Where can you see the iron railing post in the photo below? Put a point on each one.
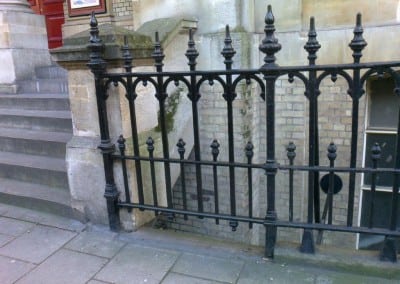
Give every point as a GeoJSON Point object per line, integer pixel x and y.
{"type": "Point", "coordinates": [270, 46]}
{"type": "Point", "coordinates": [161, 95]}
{"type": "Point", "coordinates": [312, 46]}
{"type": "Point", "coordinates": [98, 66]}
{"type": "Point", "coordinates": [131, 96]}
{"type": "Point", "coordinates": [357, 44]}
{"type": "Point", "coordinates": [229, 95]}
{"type": "Point", "coordinates": [194, 96]}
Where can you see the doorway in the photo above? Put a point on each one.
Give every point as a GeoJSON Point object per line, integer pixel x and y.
{"type": "Point", "coordinates": [54, 16]}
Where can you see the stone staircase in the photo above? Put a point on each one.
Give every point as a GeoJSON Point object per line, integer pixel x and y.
{"type": "Point", "coordinates": [35, 126]}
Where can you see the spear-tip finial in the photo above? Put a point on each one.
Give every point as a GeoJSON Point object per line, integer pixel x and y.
{"type": "Point", "coordinates": [358, 43]}
{"type": "Point", "coordinates": [93, 20]}
{"type": "Point", "coordinates": [269, 45]}
{"type": "Point", "coordinates": [312, 24]}
{"type": "Point", "coordinates": [191, 52]}
{"type": "Point", "coordinates": [312, 45]}
{"type": "Point", "coordinates": [158, 53]}
{"type": "Point", "coordinates": [269, 17]}
{"type": "Point", "coordinates": [228, 52]}
{"type": "Point", "coordinates": [358, 19]}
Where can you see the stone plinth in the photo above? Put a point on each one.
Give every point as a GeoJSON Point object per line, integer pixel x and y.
{"type": "Point", "coordinates": [84, 159]}
{"type": "Point", "coordinates": [23, 43]}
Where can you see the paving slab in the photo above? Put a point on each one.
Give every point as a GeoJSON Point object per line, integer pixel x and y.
{"type": "Point", "coordinates": [210, 268]}
{"type": "Point", "coordinates": [102, 244]}
{"type": "Point", "coordinates": [37, 244]}
{"type": "Point", "coordinates": [14, 227]}
{"type": "Point", "coordinates": [42, 218]}
{"type": "Point", "coordinates": [4, 239]}
{"type": "Point", "coordinates": [136, 264]}
{"type": "Point", "coordinates": [269, 272]}
{"type": "Point", "coordinates": [11, 269]}
{"type": "Point", "coordinates": [174, 278]}
{"type": "Point", "coordinates": [65, 267]}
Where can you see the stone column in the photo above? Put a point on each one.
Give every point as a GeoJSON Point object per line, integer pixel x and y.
{"type": "Point", "coordinates": [23, 43]}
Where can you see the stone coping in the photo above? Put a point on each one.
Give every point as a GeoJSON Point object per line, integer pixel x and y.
{"type": "Point", "coordinates": [75, 53]}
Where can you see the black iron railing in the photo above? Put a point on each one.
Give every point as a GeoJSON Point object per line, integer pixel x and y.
{"type": "Point", "coordinates": [355, 74]}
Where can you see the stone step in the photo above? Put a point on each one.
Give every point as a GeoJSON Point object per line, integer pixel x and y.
{"type": "Point", "coordinates": [34, 169]}
{"type": "Point", "coordinates": [36, 120]}
{"type": "Point", "coordinates": [37, 197]}
{"type": "Point", "coordinates": [35, 101]}
{"type": "Point", "coordinates": [43, 143]}
{"type": "Point", "coordinates": [43, 86]}
{"type": "Point", "coordinates": [51, 72]}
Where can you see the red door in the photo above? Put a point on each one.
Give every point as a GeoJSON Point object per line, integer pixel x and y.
{"type": "Point", "coordinates": [54, 15]}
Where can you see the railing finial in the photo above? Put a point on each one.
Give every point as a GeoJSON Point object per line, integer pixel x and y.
{"type": "Point", "coordinates": [158, 54]}
{"type": "Point", "coordinates": [312, 45]}
{"type": "Point", "coordinates": [181, 148]}
{"type": "Point", "coordinates": [269, 17]}
{"type": "Point", "coordinates": [270, 44]}
{"type": "Point", "coordinates": [96, 47]}
{"type": "Point", "coordinates": [228, 52]}
{"type": "Point", "coordinates": [191, 52]}
{"type": "Point", "coordinates": [126, 55]}
{"type": "Point", "coordinates": [332, 151]}
{"type": "Point", "coordinates": [358, 43]}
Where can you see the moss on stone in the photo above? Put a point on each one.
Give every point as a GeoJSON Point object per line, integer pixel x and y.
{"type": "Point", "coordinates": [171, 106]}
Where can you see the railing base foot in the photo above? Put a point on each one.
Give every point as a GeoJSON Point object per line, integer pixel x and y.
{"type": "Point", "coordinates": [270, 240]}
{"type": "Point", "coordinates": [389, 250]}
{"type": "Point", "coordinates": [114, 222]}
{"type": "Point", "coordinates": [307, 243]}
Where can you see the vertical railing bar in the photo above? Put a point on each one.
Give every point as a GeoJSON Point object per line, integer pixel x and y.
{"type": "Point", "coordinates": [194, 97]}
{"type": "Point", "coordinates": [121, 147]}
{"type": "Point", "coordinates": [291, 154]}
{"type": "Point", "coordinates": [215, 152]}
{"type": "Point", "coordinates": [269, 46]}
{"type": "Point", "coordinates": [228, 52]}
{"type": "Point", "coordinates": [150, 149]}
{"type": "Point", "coordinates": [395, 189]}
{"type": "Point", "coordinates": [131, 96]}
{"type": "Point", "coordinates": [331, 156]}
{"type": "Point", "coordinates": [249, 153]}
{"type": "Point", "coordinates": [353, 156]}
{"type": "Point", "coordinates": [317, 208]}
{"type": "Point", "coordinates": [312, 46]}
{"type": "Point", "coordinates": [161, 95]}
{"type": "Point", "coordinates": [136, 150]}
{"type": "Point", "coordinates": [97, 66]}
{"type": "Point", "coordinates": [357, 44]}
{"type": "Point", "coordinates": [181, 150]}
{"type": "Point", "coordinates": [330, 190]}
{"type": "Point", "coordinates": [375, 156]}
{"type": "Point", "coordinates": [330, 196]}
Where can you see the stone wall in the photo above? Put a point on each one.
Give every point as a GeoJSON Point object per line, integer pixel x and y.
{"type": "Point", "coordinates": [123, 12]}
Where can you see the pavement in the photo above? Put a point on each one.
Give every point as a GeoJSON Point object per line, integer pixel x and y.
{"type": "Point", "coordinates": [40, 248]}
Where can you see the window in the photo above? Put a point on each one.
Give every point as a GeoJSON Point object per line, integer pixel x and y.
{"type": "Point", "coordinates": [382, 116]}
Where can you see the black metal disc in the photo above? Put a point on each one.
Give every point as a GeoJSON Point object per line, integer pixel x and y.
{"type": "Point", "coordinates": [337, 183]}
